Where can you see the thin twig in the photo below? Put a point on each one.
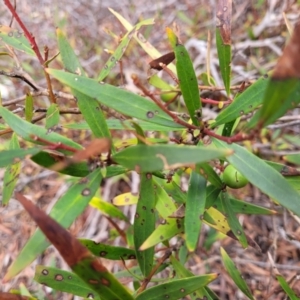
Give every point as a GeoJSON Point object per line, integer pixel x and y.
{"type": "Point", "coordinates": [160, 105]}
{"type": "Point", "coordinates": [21, 75]}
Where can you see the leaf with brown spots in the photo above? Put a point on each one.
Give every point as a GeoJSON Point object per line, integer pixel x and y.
{"type": "Point", "coordinates": [88, 268]}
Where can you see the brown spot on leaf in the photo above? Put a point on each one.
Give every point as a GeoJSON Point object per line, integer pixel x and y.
{"type": "Point", "coordinates": [45, 272]}
{"type": "Point", "coordinates": [104, 281]}
{"type": "Point", "coordinates": [58, 277]}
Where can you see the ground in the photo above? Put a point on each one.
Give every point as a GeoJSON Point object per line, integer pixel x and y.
{"type": "Point", "coordinates": [259, 35]}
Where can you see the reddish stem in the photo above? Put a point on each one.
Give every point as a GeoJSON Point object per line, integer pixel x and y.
{"type": "Point", "coordinates": [214, 102]}
{"type": "Point", "coordinates": [28, 35]}
{"type": "Point", "coordinates": [228, 139]}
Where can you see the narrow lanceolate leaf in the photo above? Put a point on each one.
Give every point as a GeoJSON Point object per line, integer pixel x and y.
{"type": "Point", "coordinates": [125, 199]}
{"type": "Point", "coordinates": [144, 223]}
{"type": "Point", "coordinates": [63, 281]}
{"type": "Point", "coordinates": [176, 289]}
{"type": "Point", "coordinates": [16, 39]}
{"type": "Point", "coordinates": [126, 124]}
{"type": "Point", "coordinates": [116, 98]}
{"type": "Point", "coordinates": [11, 173]}
{"type": "Point", "coordinates": [194, 209]}
{"type": "Point", "coordinates": [107, 251]}
{"type": "Point", "coordinates": [246, 102]}
{"type": "Point", "coordinates": [52, 116]}
{"type": "Point", "coordinates": [28, 107]}
{"type": "Point", "coordinates": [81, 261]}
{"type": "Point", "coordinates": [260, 174]}
{"type": "Point", "coordinates": [30, 131]}
{"type": "Point", "coordinates": [148, 48]}
{"type": "Point", "coordinates": [284, 81]}
{"type": "Point", "coordinates": [8, 157]}
{"type": "Point", "coordinates": [232, 219]}
{"type": "Point", "coordinates": [182, 272]}
{"type": "Point", "coordinates": [88, 106]}
{"type": "Point", "coordinates": [223, 39]}
{"type": "Point", "coordinates": [235, 275]}
{"type": "Point", "coordinates": [243, 207]}
{"type": "Point", "coordinates": [158, 157]}
{"type": "Point", "coordinates": [168, 227]}
{"type": "Point", "coordinates": [108, 209]}
{"type": "Point", "coordinates": [65, 211]}
{"type": "Point", "coordinates": [118, 53]}
{"type": "Point", "coordinates": [188, 83]}
{"type": "Point", "coordinates": [207, 171]}
{"type": "Point", "coordinates": [286, 287]}
{"type": "Point", "coordinates": [215, 219]}
{"type": "Point", "coordinates": [82, 169]}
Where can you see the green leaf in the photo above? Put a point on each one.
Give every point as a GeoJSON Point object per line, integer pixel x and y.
{"type": "Point", "coordinates": [182, 272]}
{"type": "Point", "coordinates": [29, 131]}
{"type": "Point", "coordinates": [173, 190]}
{"type": "Point", "coordinates": [285, 286]}
{"type": "Point", "coordinates": [11, 174]}
{"type": "Point", "coordinates": [263, 176]}
{"type": "Point", "coordinates": [63, 281]}
{"type": "Point", "coordinates": [88, 106]}
{"type": "Point", "coordinates": [81, 169]}
{"type": "Point", "coordinates": [65, 211]}
{"type": "Point", "coordinates": [188, 83]}
{"type": "Point", "coordinates": [293, 158]}
{"type": "Point", "coordinates": [47, 160]}
{"type": "Point", "coordinates": [28, 107]}
{"type": "Point", "coordinates": [70, 60]}
{"type": "Point", "coordinates": [194, 209]}
{"type": "Point", "coordinates": [243, 207]}
{"type": "Point", "coordinates": [246, 102]}
{"type": "Point", "coordinates": [8, 157]}
{"type": "Point", "coordinates": [126, 124]}
{"type": "Point", "coordinates": [165, 231]}
{"type": "Point", "coordinates": [232, 219]}
{"type": "Point", "coordinates": [280, 96]}
{"type": "Point", "coordinates": [144, 223]}
{"type": "Point", "coordinates": [235, 274]}
{"type": "Point", "coordinates": [118, 53]}
{"type": "Point", "coordinates": [107, 251]}
{"type": "Point", "coordinates": [207, 171]}
{"type": "Point", "coordinates": [159, 157]}
{"type": "Point", "coordinates": [52, 116]}
{"type": "Point", "coordinates": [108, 209]}
{"type": "Point", "coordinates": [16, 39]}
{"type": "Point", "coordinates": [176, 289]}
{"type": "Point", "coordinates": [116, 98]}
{"type": "Point", "coordinates": [169, 227]}
{"type": "Point", "coordinates": [224, 54]}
